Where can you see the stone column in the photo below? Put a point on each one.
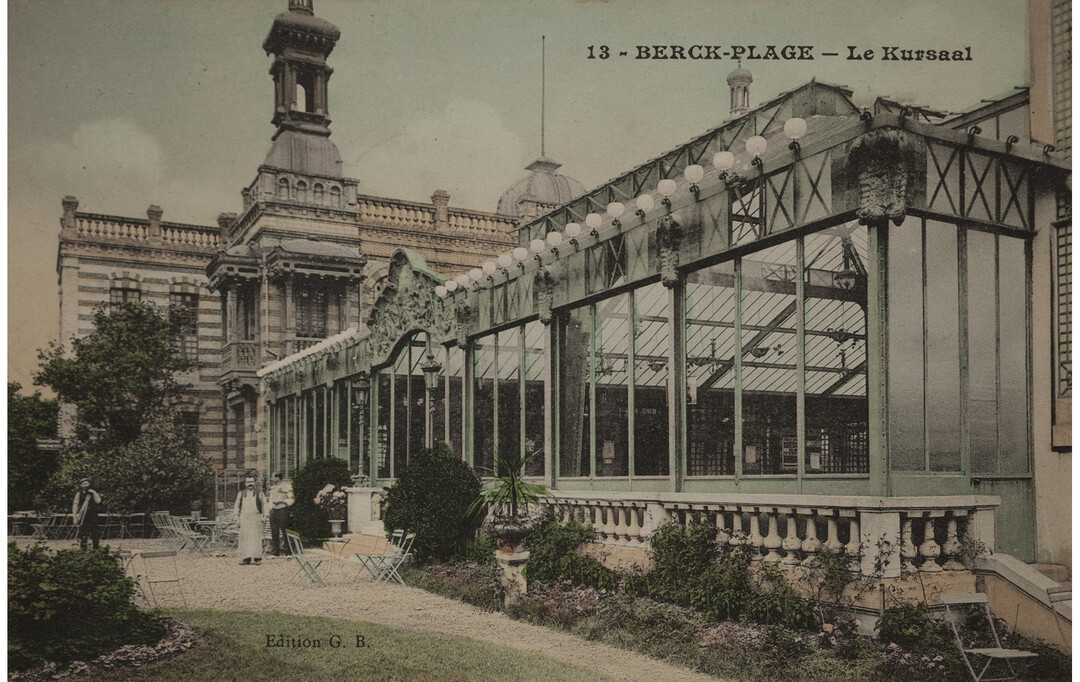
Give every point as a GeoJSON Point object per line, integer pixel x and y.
{"type": "Point", "coordinates": [511, 564]}
{"type": "Point", "coordinates": [154, 214]}
{"type": "Point", "coordinates": [883, 527]}
{"type": "Point", "coordinates": [441, 201]}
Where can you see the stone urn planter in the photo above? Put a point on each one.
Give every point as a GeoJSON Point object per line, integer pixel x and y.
{"type": "Point", "coordinates": [335, 526]}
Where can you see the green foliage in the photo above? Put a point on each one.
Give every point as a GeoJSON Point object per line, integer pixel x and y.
{"type": "Point", "coordinates": [480, 550]}
{"type": "Point", "coordinates": [509, 489]}
{"type": "Point", "coordinates": [119, 373]}
{"type": "Point", "coordinates": [910, 626]}
{"type": "Point", "coordinates": [29, 418]}
{"type": "Point", "coordinates": [161, 469]}
{"type": "Point", "coordinates": [75, 604]}
{"type": "Point", "coordinates": [779, 604]}
{"type": "Point", "coordinates": [470, 582]}
{"type": "Point", "coordinates": [681, 556]}
{"type": "Point", "coordinates": [835, 574]}
{"type": "Point", "coordinates": [553, 556]}
{"type": "Point", "coordinates": [433, 498]}
{"type": "Point", "coordinates": [723, 589]}
{"type": "Point", "coordinates": [305, 517]}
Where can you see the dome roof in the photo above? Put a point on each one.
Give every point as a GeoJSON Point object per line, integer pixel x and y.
{"type": "Point", "coordinates": [740, 75]}
{"type": "Point", "coordinates": [544, 185]}
{"type": "Point", "coordinates": [307, 154]}
{"type": "Point", "coordinates": [300, 25]}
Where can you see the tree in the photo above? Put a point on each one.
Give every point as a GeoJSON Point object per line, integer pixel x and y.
{"type": "Point", "coordinates": [306, 517]}
{"type": "Point", "coordinates": [120, 372]}
{"type": "Point", "coordinates": [433, 497]}
{"type": "Point", "coordinates": [29, 418]}
{"type": "Point", "coordinates": [160, 469]}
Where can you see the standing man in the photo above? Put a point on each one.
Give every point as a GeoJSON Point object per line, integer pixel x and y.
{"type": "Point", "coordinates": [251, 506]}
{"type": "Point", "coordinates": [84, 510]}
{"type": "Point", "coordinates": [281, 498]}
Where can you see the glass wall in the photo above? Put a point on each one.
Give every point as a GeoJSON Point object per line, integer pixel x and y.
{"type": "Point", "coordinates": [652, 341]}
{"type": "Point", "coordinates": [973, 307]}
{"type": "Point", "coordinates": [834, 295]}
{"type": "Point", "coordinates": [710, 371]}
{"type": "Point", "coordinates": [534, 368]}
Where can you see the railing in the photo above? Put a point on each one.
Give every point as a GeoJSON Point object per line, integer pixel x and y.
{"type": "Point", "coordinates": [103, 227]}
{"type": "Point", "coordinates": [883, 535]}
{"type": "Point", "coordinates": [394, 214]}
{"type": "Point", "coordinates": [191, 235]}
{"type": "Point", "coordinates": [240, 355]}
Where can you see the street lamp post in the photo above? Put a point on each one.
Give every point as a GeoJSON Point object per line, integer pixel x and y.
{"type": "Point", "coordinates": [431, 368]}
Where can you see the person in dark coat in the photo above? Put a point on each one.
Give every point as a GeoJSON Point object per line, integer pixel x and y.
{"type": "Point", "coordinates": [84, 509]}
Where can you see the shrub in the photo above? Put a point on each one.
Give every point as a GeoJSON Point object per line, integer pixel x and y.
{"type": "Point", "coordinates": [480, 550]}
{"type": "Point", "coordinates": [779, 604]}
{"type": "Point", "coordinates": [723, 589]}
{"type": "Point", "coordinates": [682, 556]}
{"type": "Point", "coordinates": [306, 517]}
{"type": "Point", "coordinates": [911, 627]}
{"type": "Point", "coordinates": [553, 555]}
{"type": "Point", "coordinates": [74, 604]}
{"type": "Point", "coordinates": [471, 582]}
{"type": "Point", "coordinates": [431, 498]}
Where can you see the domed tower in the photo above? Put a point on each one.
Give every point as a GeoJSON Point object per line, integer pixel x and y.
{"type": "Point", "coordinates": [739, 80]}
{"type": "Point", "coordinates": [300, 43]}
{"type": "Point", "coordinates": [544, 188]}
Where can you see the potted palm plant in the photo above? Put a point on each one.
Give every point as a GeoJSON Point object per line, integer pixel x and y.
{"type": "Point", "coordinates": [509, 495]}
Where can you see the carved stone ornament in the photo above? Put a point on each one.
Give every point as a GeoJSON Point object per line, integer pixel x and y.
{"type": "Point", "coordinates": [544, 290]}
{"type": "Point", "coordinates": [462, 314]}
{"type": "Point", "coordinates": [881, 161]}
{"type": "Point", "coordinates": [669, 236]}
{"type": "Point", "coordinates": [274, 384]}
{"type": "Point", "coordinates": [408, 303]}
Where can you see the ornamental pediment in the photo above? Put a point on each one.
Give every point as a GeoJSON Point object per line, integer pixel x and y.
{"type": "Point", "coordinates": [407, 304]}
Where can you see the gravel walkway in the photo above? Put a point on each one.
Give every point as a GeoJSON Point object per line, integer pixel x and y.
{"type": "Point", "coordinates": [218, 582]}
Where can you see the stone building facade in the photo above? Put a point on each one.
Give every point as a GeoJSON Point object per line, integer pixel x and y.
{"type": "Point", "coordinates": [302, 261]}
{"type": "Point", "coordinates": [109, 260]}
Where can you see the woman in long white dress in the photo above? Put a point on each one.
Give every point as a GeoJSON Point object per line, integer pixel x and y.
{"type": "Point", "coordinates": [251, 506]}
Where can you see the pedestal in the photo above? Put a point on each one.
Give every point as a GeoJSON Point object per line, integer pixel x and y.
{"type": "Point", "coordinates": [510, 567]}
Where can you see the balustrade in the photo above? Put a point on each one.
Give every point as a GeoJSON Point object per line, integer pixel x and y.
{"type": "Point", "coordinates": [240, 355]}
{"type": "Point", "coordinates": [881, 536]}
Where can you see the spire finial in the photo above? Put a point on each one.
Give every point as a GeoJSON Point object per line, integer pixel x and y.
{"type": "Point", "coordinates": [543, 88]}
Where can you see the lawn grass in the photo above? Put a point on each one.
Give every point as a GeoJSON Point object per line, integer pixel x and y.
{"type": "Point", "coordinates": [233, 645]}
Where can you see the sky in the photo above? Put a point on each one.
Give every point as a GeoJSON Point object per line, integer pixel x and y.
{"type": "Point", "coordinates": [128, 103]}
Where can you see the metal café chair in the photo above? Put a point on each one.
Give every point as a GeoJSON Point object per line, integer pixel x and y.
{"type": "Point", "coordinates": [308, 566]}
{"type": "Point", "coordinates": [159, 568]}
{"type": "Point", "coordinates": [956, 610]}
{"type": "Point", "coordinates": [384, 567]}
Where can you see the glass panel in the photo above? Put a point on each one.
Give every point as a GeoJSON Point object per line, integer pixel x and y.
{"type": "Point", "coordinates": [438, 398]}
{"type": "Point", "coordinates": [455, 368]}
{"type": "Point", "coordinates": [942, 347]}
{"type": "Point", "coordinates": [400, 425]}
{"type": "Point", "coordinates": [290, 434]}
{"type": "Point", "coordinates": [710, 371]}
{"type": "Point", "coordinates": [769, 347]}
{"type": "Point", "coordinates": [309, 425]}
{"type": "Point", "coordinates": [341, 394]}
{"type": "Point", "coordinates": [509, 410]}
{"type": "Point", "coordinates": [1013, 401]}
{"type": "Point", "coordinates": [651, 344]}
{"type": "Point", "coordinates": [417, 399]}
{"type": "Point", "coordinates": [906, 414]}
{"type": "Point", "coordinates": [835, 346]}
{"type": "Point", "coordinates": [574, 399]}
{"type": "Point", "coordinates": [535, 366]}
{"type": "Point", "coordinates": [382, 438]}
{"type": "Point", "coordinates": [982, 350]}
{"type": "Point", "coordinates": [484, 405]}
{"type": "Point", "coordinates": [610, 363]}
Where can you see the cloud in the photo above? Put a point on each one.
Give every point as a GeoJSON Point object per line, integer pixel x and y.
{"type": "Point", "coordinates": [111, 161]}
{"type": "Point", "coordinates": [465, 149]}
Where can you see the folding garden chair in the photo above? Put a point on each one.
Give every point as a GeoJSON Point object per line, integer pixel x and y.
{"type": "Point", "coordinates": [192, 540]}
{"type": "Point", "coordinates": [957, 610]}
{"type": "Point", "coordinates": [384, 567]}
{"type": "Point", "coordinates": [308, 566]}
{"type": "Point", "coordinates": [160, 568]}
{"type": "Point", "coordinates": [165, 530]}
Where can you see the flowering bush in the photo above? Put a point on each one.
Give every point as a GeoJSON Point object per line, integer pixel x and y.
{"type": "Point", "coordinates": [332, 500]}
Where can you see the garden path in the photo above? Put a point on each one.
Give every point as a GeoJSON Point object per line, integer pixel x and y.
{"type": "Point", "coordinates": [218, 582]}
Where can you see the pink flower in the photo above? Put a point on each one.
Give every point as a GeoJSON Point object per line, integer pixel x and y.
{"type": "Point", "coordinates": [827, 627]}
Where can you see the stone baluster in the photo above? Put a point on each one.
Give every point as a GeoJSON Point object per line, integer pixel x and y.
{"type": "Point", "coordinates": [633, 531]}
{"type": "Point", "coordinates": [722, 533]}
{"type": "Point", "coordinates": [854, 545]}
{"type": "Point", "coordinates": [738, 535]}
{"type": "Point", "coordinates": [610, 531]}
{"type": "Point", "coordinates": [755, 540]}
{"type": "Point", "coordinates": [791, 544]}
{"type": "Point", "coordinates": [772, 541]}
{"type": "Point", "coordinates": [832, 539]}
{"type": "Point", "coordinates": [810, 543]}
{"type": "Point", "coordinates": [952, 548]}
{"type": "Point", "coordinates": [929, 549]}
{"type": "Point", "coordinates": [907, 548]}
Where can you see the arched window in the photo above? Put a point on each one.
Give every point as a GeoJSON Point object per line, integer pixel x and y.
{"type": "Point", "coordinates": [123, 290]}
{"type": "Point", "coordinates": [335, 196]}
{"type": "Point", "coordinates": [301, 191]}
{"type": "Point", "coordinates": [319, 193]}
{"type": "Point", "coordinates": [283, 188]}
